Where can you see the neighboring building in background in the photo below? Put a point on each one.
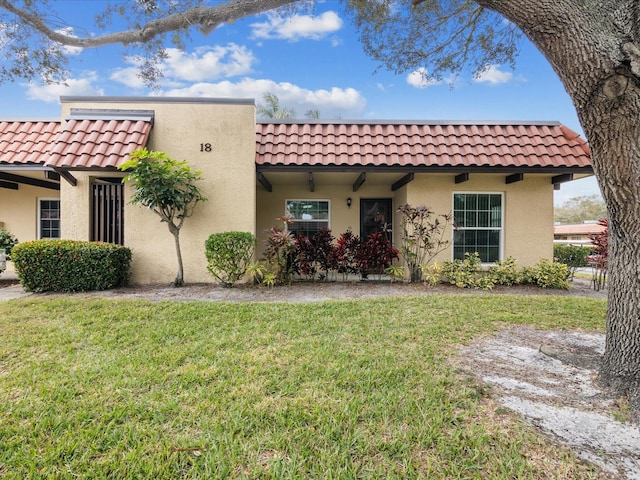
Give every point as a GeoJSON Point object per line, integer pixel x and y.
{"type": "Point", "coordinates": [59, 178]}
{"type": "Point", "coordinates": [576, 234]}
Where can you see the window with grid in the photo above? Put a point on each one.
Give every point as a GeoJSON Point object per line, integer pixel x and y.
{"type": "Point", "coordinates": [309, 216]}
{"type": "Point", "coordinates": [478, 225]}
{"type": "Point", "coordinates": [49, 219]}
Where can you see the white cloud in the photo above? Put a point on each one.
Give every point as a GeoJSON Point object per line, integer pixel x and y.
{"type": "Point", "coordinates": [297, 27]}
{"type": "Point", "coordinates": [493, 75]}
{"type": "Point", "coordinates": [208, 63]}
{"type": "Point", "coordinates": [74, 86]}
{"type": "Point", "coordinates": [420, 79]}
{"type": "Point", "coordinates": [203, 64]}
{"type": "Point", "coordinates": [128, 77]}
{"type": "Point", "coordinates": [331, 103]}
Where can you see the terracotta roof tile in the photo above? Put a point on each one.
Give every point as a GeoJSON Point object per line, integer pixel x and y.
{"type": "Point", "coordinates": [98, 143]}
{"type": "Point", "coordinates": [525, 145]}
{"type": "Point", "coordinates": [578, 229]}
{"type": "Point", "coordinates": [26, 142]}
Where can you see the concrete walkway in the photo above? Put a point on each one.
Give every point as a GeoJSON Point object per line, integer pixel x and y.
{"type": "Point", "coordinates": [15, 291]}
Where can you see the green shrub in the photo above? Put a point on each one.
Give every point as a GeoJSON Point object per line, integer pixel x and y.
{"type": "Point", "coordinates": [279, 256]}
{"type": "Point", "coordinates": [467, 273]}
{"type": "Point", "coordinates": [547, 274]}
{"type": "Point", "coordinates": [505, 272]}
{"type": "Point", "coordinates": [229, 254]}
{"type": "Point", "coordinates": [71, 266]}
{"type": "Point", "coordinates": [431, 274]}
{"type": "Point", "coordinates": [572, 256]}
{"type": "Point", "coordinates": [7, 241]}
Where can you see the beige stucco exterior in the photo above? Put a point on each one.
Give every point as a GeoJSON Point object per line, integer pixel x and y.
{"type": "Point", "coordinates": [19, 209]}
{"type": "Point", "coordinates": [237, 201]}
{"type": "Point", "coordinates": [228, 182]}
{"type": "Point", "coordinates": [527, 210]}
{"type": "Point", "coordinates": [271, 205]}
{"type": "Point", "coordinates": [528, 205]}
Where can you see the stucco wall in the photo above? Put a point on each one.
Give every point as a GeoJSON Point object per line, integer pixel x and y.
{"type": "Point", "coordinates": [19, 210]}
{"type": "Point", "coordinates": [180, 127]}
{"type": "Point", "coordinates": [528, 207]}
{"type": "Point", "coordinates": [528, 210]}
{"type": "Point", "coordinates": [272, 204]}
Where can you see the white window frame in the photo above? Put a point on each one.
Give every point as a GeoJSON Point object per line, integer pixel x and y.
{"type": "Point", "coordinates": [501, 228]}
{"type": "Point", "coordinates": [323, 220]}
{"type": "Point", "coordinates": [40, 200]}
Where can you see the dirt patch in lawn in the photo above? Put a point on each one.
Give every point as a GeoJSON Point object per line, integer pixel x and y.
{"type": "Point", "coordinates": [550, 379]}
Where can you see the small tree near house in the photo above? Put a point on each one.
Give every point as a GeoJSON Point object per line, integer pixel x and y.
{"type": "Point", "coordinates": [422, 237]}
{"type": "Point", "coordinates": [167, 187]}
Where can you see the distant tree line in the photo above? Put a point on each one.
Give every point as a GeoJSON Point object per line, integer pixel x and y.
{"type": "Point", "coordinates": [581, 209]}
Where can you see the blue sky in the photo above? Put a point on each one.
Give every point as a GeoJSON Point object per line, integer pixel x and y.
{"type": "Point", "coordinates": [311, 60]}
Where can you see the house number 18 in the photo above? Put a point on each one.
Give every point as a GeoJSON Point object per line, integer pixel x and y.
{"type": "Point", "coordinates": [205, 147]}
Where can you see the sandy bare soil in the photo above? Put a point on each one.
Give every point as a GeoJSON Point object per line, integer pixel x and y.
{"type": "Point", "coordinates": [549, 378]}
{"type": "Point", "coordinates": [303, 291]}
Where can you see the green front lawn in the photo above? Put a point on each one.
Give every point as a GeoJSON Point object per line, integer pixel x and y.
{"type": "Point", "coordinates": [93, 388]}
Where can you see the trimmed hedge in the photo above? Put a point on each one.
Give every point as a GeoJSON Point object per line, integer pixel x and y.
{"type": "Point", "coordinates": [229, 254]}
{"type": "Point", "coordinates": [70, 266]}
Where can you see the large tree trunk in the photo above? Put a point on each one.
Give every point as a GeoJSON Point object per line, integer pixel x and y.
{"type": "Point", "coordinates": [611, 125]}
{"type": "Point", "coordinates": [594, 47]}
{"type": "Point", "coordinates": [615, 147]}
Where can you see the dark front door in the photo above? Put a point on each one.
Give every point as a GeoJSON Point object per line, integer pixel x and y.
{"type": "Point", "coordinates": [375, 215]}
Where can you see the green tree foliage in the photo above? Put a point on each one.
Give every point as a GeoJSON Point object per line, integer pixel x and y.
{"type": "Point", "coordinates": [435, 37]}
{"type": "Point", "coordinates": [272, 108]}
{"type": "Point", "coordinates": [7, 241]}
{"type": "Point", "coordinates": [573, 256]}
{"type": "Point", "coordinates": [168, 188]}
{"type": "Point", "coordinates": [581, 209]}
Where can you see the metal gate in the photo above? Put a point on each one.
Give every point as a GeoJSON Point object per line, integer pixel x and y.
{"type": "Point", "coordinates": [107, 210]}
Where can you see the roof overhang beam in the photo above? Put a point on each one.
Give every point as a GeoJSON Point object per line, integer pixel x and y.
{"type": "Point", "coordinates": [359, 181]}
{"type": "Point", "coordinates": [66, 174]}
{"type": "Point", "coordinates": [513, 178]}
{"type": "Point", "coordinates": [461, 178]}
{"type": "Point", "coordinates": [312, 183]}
{"type": "Point", "coordinates": [9, 185]}
{"type": "Point", "coordinates": [264, 182]}
{"type": "Point", "coordinates": [565, 177]}
{"type": "Point", "coordinates": [403, 181]}
{"type": "Point", "coordinates": [34, 182]}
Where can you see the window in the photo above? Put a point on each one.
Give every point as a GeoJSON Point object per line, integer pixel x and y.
{"type": "Point", "coordinates": [478, 225]}
{"type": "Point", "coordinates": [309, 216]}
{"type": "Point", "coordinates": [49, 218]}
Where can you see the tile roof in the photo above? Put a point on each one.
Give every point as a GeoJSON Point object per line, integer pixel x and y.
{"type": "Point", "coordinates": [416, 144]}
{"type": "Point", "coordinates": [26, 142]}
{"type": "Point", "coordinates": [578, 229]}
{"type": "Point", "coordinates": [97, 143]}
